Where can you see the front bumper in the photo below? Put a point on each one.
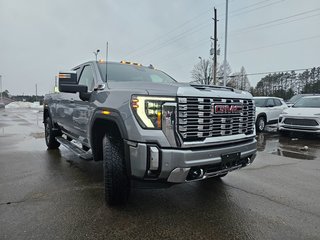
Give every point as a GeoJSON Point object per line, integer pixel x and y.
{"type": "Point", "coordinates": [175, 165]}
{"type": "Point", "coordinates": [282, 126]}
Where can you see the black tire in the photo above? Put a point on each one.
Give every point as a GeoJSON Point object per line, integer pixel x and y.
{"type": "Point", "coordinates": [116, 181]}
{"type": "Point", "coordinates": [50, 137]}
{"type": "Point", "coordinates": [260, 124]}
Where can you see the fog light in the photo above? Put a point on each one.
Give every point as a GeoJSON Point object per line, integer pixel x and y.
{"type": "Point", "coordinates": [195, 173]}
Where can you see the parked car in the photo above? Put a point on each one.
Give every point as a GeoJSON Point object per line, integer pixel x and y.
{"type": "Point", "coordinates": [297, 97]}
{"type": "Point", "coordinates": [268, 110]}
{"type": "Point", "coordinates": [303, 116]}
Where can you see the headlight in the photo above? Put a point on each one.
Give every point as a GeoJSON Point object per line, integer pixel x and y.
{"type": "Point", "coordinates": [148, 110]}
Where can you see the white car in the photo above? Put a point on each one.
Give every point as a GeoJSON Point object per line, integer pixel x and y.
{"type": "Point", "coordinates": [303, 116]}
{"type": "Point", "coordinates": [268, 110]}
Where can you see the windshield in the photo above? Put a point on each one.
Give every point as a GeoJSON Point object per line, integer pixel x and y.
{"type": "Point", "coordinates": [308, 102]}
{"type": "Point", "coordinates": [295, 98]}
{"type": "Point", "coordinates": [127, 73]}
{"type": "Point", "coordinates": [260, 102]}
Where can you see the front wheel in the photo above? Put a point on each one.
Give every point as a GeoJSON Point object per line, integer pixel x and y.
{"type": "Point", "coordinates": [116, 181]}
{"type": "Point", "coordinates": [260, 124]}
{"type": "Point", "coordinates": [50, 137]}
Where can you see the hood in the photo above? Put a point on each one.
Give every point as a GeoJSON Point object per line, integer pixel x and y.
{"type": "Point", "coordinates": [303, 112]}
{"type": "Point", "coordinates": [166, 89]}
{"type": "Point", "coordinates": [180, 89]}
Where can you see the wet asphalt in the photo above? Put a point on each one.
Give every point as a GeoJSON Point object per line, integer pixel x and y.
{"type": "Point", "coordinates": [54, 195]}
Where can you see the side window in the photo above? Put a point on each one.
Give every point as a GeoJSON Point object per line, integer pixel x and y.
{"type": "Point", "coordinates": [86, 77]}
{"type": "Point", "coordinates": [277, 102]}
{"type": "Point", "coordinates": [156, 78]}
{"type": "Point", "coordinates": [270, 103]}
{"type": "Point", "coordinates": [78, 72]}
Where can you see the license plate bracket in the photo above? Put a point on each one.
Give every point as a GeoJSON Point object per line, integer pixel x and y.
{"type": "Point", "coordinates": [230, 159]}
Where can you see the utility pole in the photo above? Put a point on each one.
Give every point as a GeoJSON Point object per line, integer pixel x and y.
{"type": "Point", "coordinates": [215, 40]}
{"type": "Point", "coordinates": [36, 92]}
{"type": "Point", "coordinates": [225, 47]}
{"type": "Point", "coordinates": [1, 87]}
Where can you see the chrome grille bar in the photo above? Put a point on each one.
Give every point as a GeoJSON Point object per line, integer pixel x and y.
{"type": "Point", "coordinates": [197, 121]}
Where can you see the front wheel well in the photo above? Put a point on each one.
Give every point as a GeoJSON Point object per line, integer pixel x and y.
{"type": "Point", "coordinates": [262, 115]}
{"type": "Point", "coordinates": [45, 114]}
{"type": "Point", "coordinates": [99, 129]}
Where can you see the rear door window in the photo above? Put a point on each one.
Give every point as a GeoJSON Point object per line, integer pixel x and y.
{"type": "Point", "coordinates": [270, 103]}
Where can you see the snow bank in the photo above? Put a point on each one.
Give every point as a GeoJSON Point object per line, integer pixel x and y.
{"type": "Point", "coordinates": [24, 105]}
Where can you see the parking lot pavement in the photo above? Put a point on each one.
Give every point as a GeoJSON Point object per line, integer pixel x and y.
{"type": "Point", "coordinates": [54, 195]}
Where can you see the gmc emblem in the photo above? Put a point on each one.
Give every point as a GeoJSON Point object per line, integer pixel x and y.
{"type": "Point", "coordinates": [226, 109]}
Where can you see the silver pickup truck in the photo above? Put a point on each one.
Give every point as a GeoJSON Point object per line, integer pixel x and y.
{"type": "Point", "coordinates": [145, 126]}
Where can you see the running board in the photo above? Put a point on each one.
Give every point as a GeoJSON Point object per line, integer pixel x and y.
{"type": "Point", "coordinates": [76, 150]}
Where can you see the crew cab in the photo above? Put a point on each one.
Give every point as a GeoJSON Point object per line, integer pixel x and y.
{"type": "Point", "coordinates": [145, 126]}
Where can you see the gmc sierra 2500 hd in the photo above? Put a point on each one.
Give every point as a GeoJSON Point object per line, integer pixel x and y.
{"type": "Point", "coordinates": [146, 126]}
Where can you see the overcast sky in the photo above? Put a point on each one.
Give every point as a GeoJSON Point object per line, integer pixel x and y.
{"type": "Point", "coordinates": [40, 37]}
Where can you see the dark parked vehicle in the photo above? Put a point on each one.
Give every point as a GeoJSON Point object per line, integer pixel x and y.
{"type": "Point", "coordinates": [146, 126]}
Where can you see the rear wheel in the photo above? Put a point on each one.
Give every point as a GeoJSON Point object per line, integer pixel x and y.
{"type": "Point", "coordinates": [50, 137]}
{"type": "Point", "coordinates": [261, 124]}
{"type": "Point", "coordinates": [116, 181]}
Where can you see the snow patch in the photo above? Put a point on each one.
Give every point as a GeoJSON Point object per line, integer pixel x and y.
{"type": "Point", "coordinates": [24, 105]}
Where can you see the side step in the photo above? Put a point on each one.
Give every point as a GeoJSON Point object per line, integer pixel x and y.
{"type": "Point", "coordinates": [76, 150]}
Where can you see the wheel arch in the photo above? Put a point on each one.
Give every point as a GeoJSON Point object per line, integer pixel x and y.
{"type": "Point", "coordinates": [102, 124]}
{"type": "Point", "coordinates": [46, 113]}
{"type": "Point", "coordinates": [262, 115]}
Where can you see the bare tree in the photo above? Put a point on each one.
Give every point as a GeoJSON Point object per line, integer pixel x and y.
{"type": "Point", "coordinates": [239, 80]}
{"type": "Point", "coordinates": [220, 73]}
{"type": "Point", "coordinates": [202, 72]}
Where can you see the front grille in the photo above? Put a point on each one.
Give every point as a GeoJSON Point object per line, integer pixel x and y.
{"type": "Point", "coordinates": [300, 122]}
{"type": "Point", "coordinates": [196, 120]}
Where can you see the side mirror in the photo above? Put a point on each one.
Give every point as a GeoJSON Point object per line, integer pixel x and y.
{"type": "Point", "coordinates": [68, 83]}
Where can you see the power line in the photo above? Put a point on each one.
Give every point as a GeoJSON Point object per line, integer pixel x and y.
{"type": "Point", "coordinates": [277, 20]}
{"type": "Point", "coordinates": [169, 32]}
{"type": "Point", "coordinates": [249, 6]}
{"type": "Point", "coordinates": [276, 44]}
{"type": "Point", "coordinates": [172, 40]}
{"type": "Point", "coordinates": [257, 8]}
{"type": "Point", "coordinates": [266, 73]}
{"type": "Point", "coordinates": [192, 30]}
{"type": "Point", "coordinates": [274, 25]}
{"type": "Point", "coordinates": [183, 51]}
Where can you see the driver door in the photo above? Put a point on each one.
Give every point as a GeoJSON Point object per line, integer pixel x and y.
{"type": "Point", "coordinates": [82, 111]}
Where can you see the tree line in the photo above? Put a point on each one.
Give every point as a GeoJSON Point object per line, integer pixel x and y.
{"type": "Point", "coordinates": [202, 73]}
{"type": "Point", "coordinates": [282, 84]}
{"type": "Point", "coordinates": [288, 84]}
{"type": "Point", "coordinates": [24, 98]}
